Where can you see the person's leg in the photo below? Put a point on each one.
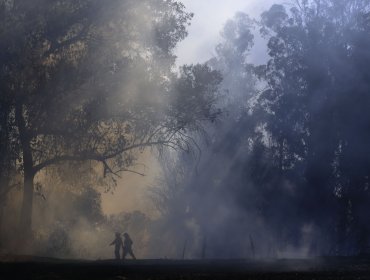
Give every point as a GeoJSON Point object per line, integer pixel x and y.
{"type": "Point", "coordinates": [116, 252]}
{"type": "Point", "coordinates": [124, 253]}
{"type": "Point", "coordinates": [132, 254]}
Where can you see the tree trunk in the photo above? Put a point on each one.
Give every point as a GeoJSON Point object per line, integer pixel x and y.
{"type": "Point", "coordinates": [184, 249]}
{"type": "Point", "coordinates": [1, 225]}
{"type": "Point", "coordinates": [28, 173]}
{"type": "Point", "coordinates": [27, 203]}
{"type": "Point", "coordinates": [204, 248]}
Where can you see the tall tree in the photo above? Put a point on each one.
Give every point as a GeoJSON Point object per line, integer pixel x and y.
{"type": "Point", "coordinates": [196, 197]}
{"type": "Point", "coordinates": [290, 167]}
{"type": "Point", "coordinates": [90, 81]}
{"type": "Point", "coordinates": [317, 90]}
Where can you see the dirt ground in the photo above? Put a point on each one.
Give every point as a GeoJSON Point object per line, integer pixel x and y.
{"type": "Point", "coordinates": [27, 267]}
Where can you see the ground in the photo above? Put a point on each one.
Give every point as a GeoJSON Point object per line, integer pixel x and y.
{"type": "Point", "coordinates": [12, 267]}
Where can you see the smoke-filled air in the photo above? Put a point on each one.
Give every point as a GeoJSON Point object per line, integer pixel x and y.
{"type": "Point", "coordinates": [184, 129]}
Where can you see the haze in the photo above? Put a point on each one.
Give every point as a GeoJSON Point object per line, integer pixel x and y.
{"type": "Point", "coordinates": [204, 129]}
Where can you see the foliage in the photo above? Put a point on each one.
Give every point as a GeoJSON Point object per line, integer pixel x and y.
{"type": "Point", "coordinates": [289, 165]}
{"type": "Point", "coordinates": [91, 81]}
{"type": "Point", "coordinates": [315, 101]}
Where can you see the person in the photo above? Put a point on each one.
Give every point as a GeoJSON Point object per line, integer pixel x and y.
{"type": "Point", "coordinates": [117, 242]}
{"type": "Point", "coordinates": [127, 246]}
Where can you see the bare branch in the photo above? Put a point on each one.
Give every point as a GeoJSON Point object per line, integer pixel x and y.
{"type": "Point", "coordinates": [131, 171]}
{"type": "Point", "coordinates": [97, 157]}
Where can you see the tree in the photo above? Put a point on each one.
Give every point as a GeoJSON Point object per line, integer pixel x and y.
{"type": "Point", "coordinates": [6, 162]}
{"type": "Point", "coordinates": [316, 119]}
{"type": "Point", "coordinates": [232, 60]}
{"type": "Point", "coordinates": [289, 165]}
{"type": "Point", "coordinates": [195, 197]}
{"type": "Point", "coordinates": [89, 81]}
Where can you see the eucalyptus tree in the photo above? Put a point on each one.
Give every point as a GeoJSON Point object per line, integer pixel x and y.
{"type": "Point", "coordinates": [315, 102]}
{"type": "Point", "coordinates": [93, 81]}
{"type": "Point", "coordinates": [290, 164]}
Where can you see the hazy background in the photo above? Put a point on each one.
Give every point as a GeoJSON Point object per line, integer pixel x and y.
{"type": "Point", "coordinates": [199, 46]}
{"type": "Point", "coordinates": [209, 19]}
{"type": "Point", "coordinates": [259, 152]}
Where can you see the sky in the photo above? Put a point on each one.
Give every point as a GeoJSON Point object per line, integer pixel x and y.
{"type": "Point", "coordinates": [132, 192]}
{"type": "Point", "coordinates": [209, 19]}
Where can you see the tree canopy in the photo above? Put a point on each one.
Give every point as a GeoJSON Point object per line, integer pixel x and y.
{"type": "Point", "coordinates": [289, 164]}
{"type": "Point", "coordinates": [92, 81]}
{"type": "Point", "coordinates": [286, 161]}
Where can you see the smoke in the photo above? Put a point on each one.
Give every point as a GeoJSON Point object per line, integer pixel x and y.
{"type": "Point", "coordinates": [129, 79]}
{"type": "Point", "coordinates": [250, 196]}
{"type": "Point", "coordinates": [202, 216]}
{"type": "Point", "coordinates": [251, 191]}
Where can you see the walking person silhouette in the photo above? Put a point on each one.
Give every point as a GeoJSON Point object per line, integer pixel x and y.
{"type": "Point", "coordinates": [117, 242]}
{"type": "Point", "coordinates": [127, 246]}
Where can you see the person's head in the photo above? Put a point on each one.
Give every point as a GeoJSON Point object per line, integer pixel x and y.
{"type": "Point", "coordinates": [118, 234]}
{"type": "Point", "coordinates": [126, 235]}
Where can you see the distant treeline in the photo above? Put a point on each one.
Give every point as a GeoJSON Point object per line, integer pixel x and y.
{"type": "Point", "coordinates": [290, 162]}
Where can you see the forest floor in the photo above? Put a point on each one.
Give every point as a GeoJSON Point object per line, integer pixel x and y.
{"type": "Point", "coordinates": [27, 267]}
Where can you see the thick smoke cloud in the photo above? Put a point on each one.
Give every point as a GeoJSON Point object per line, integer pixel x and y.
{"type": "Point", "coordinates": [283, 176]}
{"type": "Point", "coordinates": [270, 162]}
{"type": "Point", "coordinates": [100, 90]}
